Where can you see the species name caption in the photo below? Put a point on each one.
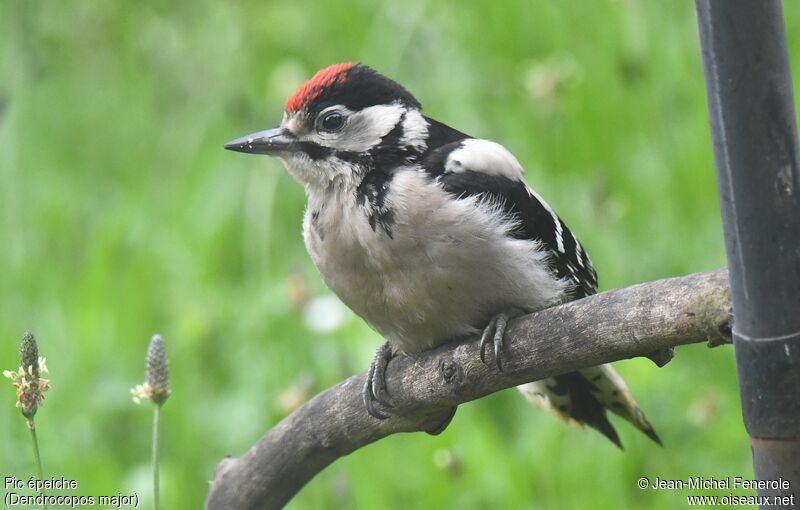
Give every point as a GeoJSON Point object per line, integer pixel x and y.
{"type": "Point", "coordinates": [13, 497]}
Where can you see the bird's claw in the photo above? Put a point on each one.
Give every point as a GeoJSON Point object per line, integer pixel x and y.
{"type": "Point", "coordinates": [495, 333]}
{"type": "Point", "coordinates": [375, 385]}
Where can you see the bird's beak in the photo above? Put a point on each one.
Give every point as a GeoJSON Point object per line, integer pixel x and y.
{"type": "Point", "coordinates": [273, 142]}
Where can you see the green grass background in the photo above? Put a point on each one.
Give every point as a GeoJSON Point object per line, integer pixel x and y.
{"type": "Point", "coordinates": [121, 216]}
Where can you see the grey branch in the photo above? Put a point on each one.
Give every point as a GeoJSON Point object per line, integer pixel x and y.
{"type": "Point", "coordinates": [643, 320]}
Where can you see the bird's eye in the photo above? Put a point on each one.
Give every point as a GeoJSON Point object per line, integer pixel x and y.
{"type": "Point", "coordinates": [331, 122]}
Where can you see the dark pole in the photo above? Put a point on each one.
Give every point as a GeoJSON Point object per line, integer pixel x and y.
{"type": "Point", "coordinates": [754, 134]}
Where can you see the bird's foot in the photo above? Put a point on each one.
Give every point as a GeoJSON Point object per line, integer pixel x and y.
{"type": "Point", "coordinates": [494, 333]}
{"type": "Point", "coordinates": [375, 386]}
{"type": "Point", "coordinates": [375, 391]}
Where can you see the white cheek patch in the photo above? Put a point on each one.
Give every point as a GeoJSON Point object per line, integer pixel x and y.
{"type": "Point", "coordinates": [486, 157]}
{"type": "Point", "coordinates": [365, 128]}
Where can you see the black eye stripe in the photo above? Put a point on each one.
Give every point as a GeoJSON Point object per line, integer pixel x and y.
{"type": "Point", "coordinates": [315, 151]}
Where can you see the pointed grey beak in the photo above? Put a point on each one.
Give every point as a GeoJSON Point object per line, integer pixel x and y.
{"type": "Point", "coordinates": [272, 142]}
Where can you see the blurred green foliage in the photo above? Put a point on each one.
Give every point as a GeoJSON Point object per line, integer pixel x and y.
{"type": "Point", "coordinates": [121, 216]}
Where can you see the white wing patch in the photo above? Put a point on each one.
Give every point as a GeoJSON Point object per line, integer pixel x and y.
{"type": "Point", "coordinates": [484, 156]}
{"type": "Point", "coordinates": [491, 158]}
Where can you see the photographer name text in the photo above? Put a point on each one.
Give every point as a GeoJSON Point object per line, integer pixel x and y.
{"type": "Point", "coordinates": [728, 483]}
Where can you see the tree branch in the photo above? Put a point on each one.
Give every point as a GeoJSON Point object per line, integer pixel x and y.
{"type": "Point", "coordinates": [642, 320]}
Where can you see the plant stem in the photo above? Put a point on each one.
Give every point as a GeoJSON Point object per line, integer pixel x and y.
{"type": "Point", "coordinates": [36, 456]}
{"type": "Point", "coordinates": [156, 420]}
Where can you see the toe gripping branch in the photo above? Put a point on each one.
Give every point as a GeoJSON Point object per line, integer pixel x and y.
{"type": "Point", "coordinates": [375, 385]}
{"type": "Point", "coordinates": [494, 333]}
{"type": "Point", "coordinates": [375, 391]}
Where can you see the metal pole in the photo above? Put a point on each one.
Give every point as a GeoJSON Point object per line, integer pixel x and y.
{"type": "Point", "coordinates": [754, 134]}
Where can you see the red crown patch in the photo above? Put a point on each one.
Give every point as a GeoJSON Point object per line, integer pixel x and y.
{"type": "Point", "coordinates": [310, 90]}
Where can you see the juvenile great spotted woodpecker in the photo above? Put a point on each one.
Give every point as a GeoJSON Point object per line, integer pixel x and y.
{"type": "Point", "coordinates": [431, 235]}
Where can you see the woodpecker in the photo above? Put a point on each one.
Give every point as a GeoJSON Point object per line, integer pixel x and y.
{"type": "Point", "coordinates": [431, 235]}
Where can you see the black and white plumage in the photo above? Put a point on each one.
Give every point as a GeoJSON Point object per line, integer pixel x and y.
{"type": "Point", "coordinates": [429, 234]}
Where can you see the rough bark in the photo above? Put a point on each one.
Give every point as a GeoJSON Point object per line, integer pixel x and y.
{"type": "Point", "coordinates": [643, 320]}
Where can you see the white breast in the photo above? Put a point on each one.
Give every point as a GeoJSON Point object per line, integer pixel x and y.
{"type": "Point", "coordinates": [447, 268]}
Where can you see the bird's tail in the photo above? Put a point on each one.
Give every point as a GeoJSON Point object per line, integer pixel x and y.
{"type": "Point", "coordinates": [585, 395]}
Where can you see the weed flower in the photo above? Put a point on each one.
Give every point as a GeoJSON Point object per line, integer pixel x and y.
{"type": "Point", "coordinates": [156, 390]}
{"type": "Point", "coordinates": [30, 391]}
{"type": "Point", "coordinates": [156, 385]}
{"type": "Point", "coordinates": [30, 386]}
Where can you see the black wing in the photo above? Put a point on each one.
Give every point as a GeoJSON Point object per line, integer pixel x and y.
{"type": "Point", "coordinates": [535, 219]}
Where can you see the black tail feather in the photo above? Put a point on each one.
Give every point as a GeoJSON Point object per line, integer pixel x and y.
{"type": "Point", "coordinates": [585, 406]}
{"type": "Point", "coordinates": [652, 435]}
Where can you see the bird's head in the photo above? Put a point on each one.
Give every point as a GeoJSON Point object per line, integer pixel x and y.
{"type": "Point", "coordinates": [344, 121]}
